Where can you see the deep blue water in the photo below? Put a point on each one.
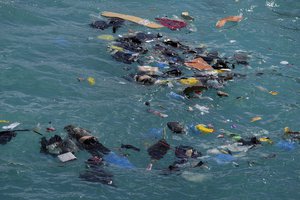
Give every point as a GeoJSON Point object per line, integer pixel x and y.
{"type": "Point", "coordinates": [47, 45]}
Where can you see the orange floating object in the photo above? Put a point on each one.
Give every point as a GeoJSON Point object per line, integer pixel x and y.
{"type": "Point", "coordinates": [199, 64]}
{"type": "Point", "coordinates": [254, 119]}
{"type": "Point", "coordinates": [223, 21]}
{"type": "Point", "coordinates": [273, 93]}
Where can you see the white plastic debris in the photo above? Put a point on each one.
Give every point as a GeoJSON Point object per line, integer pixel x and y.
{"type": "Point", "coordinates": [11, 126]}
{"type": "Point", "coordinates": [66, 157]}
{"type": "Point", "coordinates": [203, 109]}
{"type": "Point", "coordinates": [284, 62]}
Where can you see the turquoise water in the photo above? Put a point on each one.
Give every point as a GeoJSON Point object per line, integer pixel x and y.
{"type": "Point", "coordinates": [46, 45]}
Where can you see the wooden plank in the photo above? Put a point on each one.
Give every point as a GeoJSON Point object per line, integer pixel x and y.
{"type": "Point", "coordinates": [134, 19]}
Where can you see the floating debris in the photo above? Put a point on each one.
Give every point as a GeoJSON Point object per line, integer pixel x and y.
{"type": "Point", "coordinates": [254, 119]}
{"type": "Point", "coordinates": [91, 80]}
{"type": "Point", "coordinates": [223, 21]}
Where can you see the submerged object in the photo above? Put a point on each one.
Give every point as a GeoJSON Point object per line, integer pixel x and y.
{"type": "Point", "coordinates": [224, 158]}
{"type": "Point", "coordinates": [131, 18]}
{"type": "Point", "coordinates": [171, 23]}
{"type": "Point", "coordinates": [194, 177]}
{"type": "Point", "coordinates": [106, 37]}
{"type": "Point", "coordinates": [286, 145]}
{"type": "Point", "coordinates": [98, 175]}
{"type": "Point", "coordinates": [154, 133]}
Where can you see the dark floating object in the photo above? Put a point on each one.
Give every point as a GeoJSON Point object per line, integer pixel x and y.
{"type": "Point", "coordinates": [241, 58]}
{"type": "Point", "coordinates": [126, 58]}
{"type": "Point", "coordinates": [6, 136]}
{"type": "Point", "coordinates": [186, 152]}
{"type": "Point", "coordinates": [191, 91]}
{"type": "Point", "coordinates": [222, 94]}
{"type": "Point", "coordinates": [252, 141]}
{"type": "Point", "coordinates": [176, 127]}
{"type": "Point", "coordinates": [129, 146]}
{"type": "Point", "coordinates": [100, 24]}
{"type": "Point", "coordinates": [158, 150]}
{"type": "Point", "coordinates": [86, 141]}
{"type": "Point", "coordinates": [115, 23]}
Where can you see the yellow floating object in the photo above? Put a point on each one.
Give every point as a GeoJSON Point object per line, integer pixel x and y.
{"type": "Point", "coordinates": [273, 93]}
{"type": "Point", "coordinates": [4, 121]}
{"type": "Point", "coordinates": [254, 119]}
{"type": "Point", "coordinates": [189, 81]}
{"type": "Point", "coordinates": [91, 80]}
{"type": "Point", "coordinates": [113, 47]}
{"type": "Point", "coordinates": [222, 70]}
{"type": "Point", "coordinates": [106, 37]}
{"type": "Point", "coordinates": [204, 129]}
{"type": "Point", "coordinates": [287, 129]}
{"type": "Point", "coordinates": [223, 151]}
{"type": "Point", "coordinates": [266, 139]}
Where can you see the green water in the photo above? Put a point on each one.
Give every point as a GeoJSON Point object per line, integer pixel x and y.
{"type": "Point", "coordinates": [46, 45]}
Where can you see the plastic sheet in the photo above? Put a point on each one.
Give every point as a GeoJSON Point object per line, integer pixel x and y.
{"type": "Point", "coordinates": [120, 161]}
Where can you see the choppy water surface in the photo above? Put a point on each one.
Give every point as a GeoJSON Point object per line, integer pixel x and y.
{"type": "Point", "coordinates": [46, 45]}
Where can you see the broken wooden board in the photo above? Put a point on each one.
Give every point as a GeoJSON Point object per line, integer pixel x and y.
{"type": "Point", "coordinates": [134, 19]}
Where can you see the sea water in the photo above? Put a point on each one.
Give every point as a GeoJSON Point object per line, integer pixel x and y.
{"type": "Point", "coordinates": [47, 45]}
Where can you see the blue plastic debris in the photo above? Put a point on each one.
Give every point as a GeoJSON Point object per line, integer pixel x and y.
{"type": "Point", "coordinates": [161, 65]}
{"type": "Point", "coordinates": [286, 145]}
{"type": "Point", "coordinates": [193, 129]}
{"type": "Point", "coordinates": [224, 158]}
{"type": "Point", "coordinates": [176, 96]}
{"type": "Point", "coordinates": [120, 161]}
